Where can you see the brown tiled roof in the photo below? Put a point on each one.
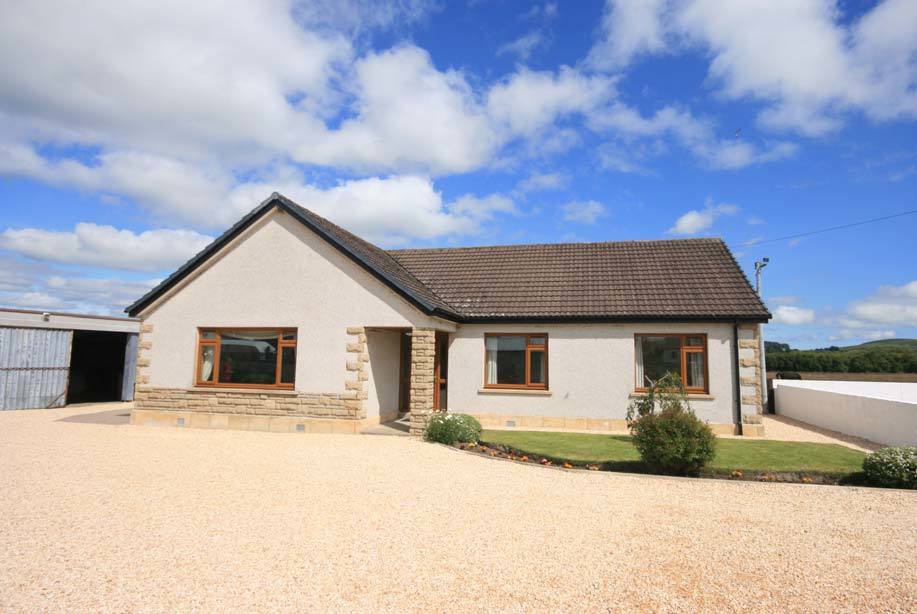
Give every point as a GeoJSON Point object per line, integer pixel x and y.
{"type": "Point", "coordinates": [686, 278]}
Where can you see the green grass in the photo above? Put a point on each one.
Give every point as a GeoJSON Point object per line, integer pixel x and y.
{"type": "Point", "coordinates": [617, 452]}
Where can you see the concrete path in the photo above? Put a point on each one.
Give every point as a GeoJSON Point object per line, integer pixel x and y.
{"type": "Point", "coordinates": [786, 429]}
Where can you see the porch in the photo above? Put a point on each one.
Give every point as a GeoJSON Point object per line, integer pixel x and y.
{"type": "Point", "coordinates": [407, 377]}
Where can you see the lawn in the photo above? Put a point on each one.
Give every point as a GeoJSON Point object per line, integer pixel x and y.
{"type": "Point", "coordinates": [617, 452]}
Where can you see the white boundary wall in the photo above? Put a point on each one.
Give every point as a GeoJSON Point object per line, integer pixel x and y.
{"type": "Point", "coordinates": [884, 412]}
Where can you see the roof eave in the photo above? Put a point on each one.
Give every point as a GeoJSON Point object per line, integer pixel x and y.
{"type": "Point", "coordinates": [603, 319]}
{"type": "Point", "coordinates": [188, 267]}
{"type": "Point", "coordinates": [420, 303]}
{"type": "Point", "coordinates": [281, 202]}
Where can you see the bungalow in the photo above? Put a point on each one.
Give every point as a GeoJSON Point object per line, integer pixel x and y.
{"type": "Point", "coordinates": [289, 323]}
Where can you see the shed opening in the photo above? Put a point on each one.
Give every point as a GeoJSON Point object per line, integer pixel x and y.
{"type": "Point", "coordinates": [96, 366]}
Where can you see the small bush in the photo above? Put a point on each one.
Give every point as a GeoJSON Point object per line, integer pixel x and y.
{"type": "Point", "coordinates": [892, 467]}
{"type": "Point", "coordinates": [672, 440]}
{"type": "Point", "coordinates": [449, 428]}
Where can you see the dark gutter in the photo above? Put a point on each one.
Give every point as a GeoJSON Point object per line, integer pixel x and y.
{"type": "Point", "coordinates": [627, 319]}
{"type": "Point", "coordinates": [735, 371]}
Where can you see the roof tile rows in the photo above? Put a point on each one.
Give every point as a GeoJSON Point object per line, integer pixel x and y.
{"type": "Point", "coordinates": [696, 278]}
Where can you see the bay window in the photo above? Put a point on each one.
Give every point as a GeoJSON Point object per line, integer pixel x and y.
{"type": "Point", "coordinates": [253, 358]}
{"type": "Point", "coordinates": [684, 355]}
{"type": "Point", "coordinates": [516, 361]}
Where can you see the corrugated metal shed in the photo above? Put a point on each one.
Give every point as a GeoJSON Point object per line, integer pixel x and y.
{"type": "Point", "coordinates": [34, 367]}
{"type": "Point", "coordinates": [130, 367]}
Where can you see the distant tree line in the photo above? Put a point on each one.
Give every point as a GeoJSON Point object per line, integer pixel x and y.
{"type": "Point", "coordinates": [836, 360]}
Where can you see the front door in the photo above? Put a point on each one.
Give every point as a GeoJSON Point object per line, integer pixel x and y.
{"type": "Point", "coordinates": [441, 371]}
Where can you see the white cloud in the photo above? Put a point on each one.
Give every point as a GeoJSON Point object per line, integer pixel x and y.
{"type": "Point", "coordinates": [361, 15]}
{"type": "Point", "coordinates": [523, 46]}
{"type": "Point", "coordinates": [537, 182]}
{"type": "Point", "coordinates": [584, 212]}
{"type": "Point", "coordinates": [875, 317]}
{"type": "Point", "coordinates": [182, 119]}
{"type": "Point", "coordinates": [473, 211]}
{"type": "Point", "coordinates": [546, 11]}
{"type": "Point", "coordinates": [107, 247]}
{"type": "Point", "coordinates": [131, 75]}
{"type": "Point", "coordinates": [133, 78]}
{"type": "Point", "coordinates": [173, 190]}
{"type": "Point", "coordinates": [796, 57]}
{"type": "Point", "coordinates": [782, 300]}
{"type": "Point", "coordinates": [794, 316]}
{"type": "Point", "coordinates": [301, 94]}
{"type": "Point", "coordinates": [695, 221]}
{"type": "Point", "coordinates": [409, 117]}
{"type": "Point", "coordinates": [695, 134]}
{"type": "Point", "coordinates": [386, 209]}
{"type": "Point", "coordinates": [629, 159]}
{"type": "Point", "coordinates": [890, 305]}
{"type": "Point", "coordinates": [391, 210]}
{"type": "Point", "coordinates": [38, 285]}
{"type": "Point", "coordinates": [875, 335]}
{"type": "Point", "coordinates": [528, 101]}
{"type": "Point", "coordinates": [629, 27]}
{"type": "Point", "coordinates": [34, 300]}
{"type": "Point", "coordinates": [94, 295]}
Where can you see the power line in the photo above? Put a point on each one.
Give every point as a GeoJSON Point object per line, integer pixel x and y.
{"type": "Point", "coordinates": [829, 229]}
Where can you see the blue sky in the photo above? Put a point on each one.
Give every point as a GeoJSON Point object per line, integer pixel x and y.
{"type": "Point", "coordinates": [132, 135]}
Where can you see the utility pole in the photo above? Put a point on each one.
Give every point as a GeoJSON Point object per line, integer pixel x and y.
{"type": "Point", "coordinates": [759, 266]}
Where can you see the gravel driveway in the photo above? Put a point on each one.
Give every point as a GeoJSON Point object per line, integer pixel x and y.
{"type": "Point", "coordinates": [118, 517]}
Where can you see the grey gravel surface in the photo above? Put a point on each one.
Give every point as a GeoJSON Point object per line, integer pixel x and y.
{"type": "Point", "coordinates": [124, 518]}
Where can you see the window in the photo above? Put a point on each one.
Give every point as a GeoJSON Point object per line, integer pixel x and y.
{"type": "Point", "coordinates": [516, 361]}
{"type": "Point", "coordinates": [685, 355]}
{"type": "Point", "coordinates": [255, 358]}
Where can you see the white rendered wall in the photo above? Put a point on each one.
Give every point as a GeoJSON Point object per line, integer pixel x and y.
{"type": "Point", "coordinates": [384, 348]}
{"type": "Point", "coordinates": [883, 412]}
{"type": "Point", "coordinates": [591, 371]}
{"type": "Point", "coordinates": [277, 274]}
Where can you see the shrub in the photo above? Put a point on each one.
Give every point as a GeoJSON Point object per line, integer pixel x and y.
{"type": "Point", "coordinates": [893, 467]}
{"type": "Point", "coordinates": [449, 428]}
{"type": "Point", "coordinates": [672, 439]}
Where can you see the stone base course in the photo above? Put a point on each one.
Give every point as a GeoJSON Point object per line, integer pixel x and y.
{"type": "Point", "coordinates": [248, 422]}
{"type": "Point", "coordinates": [567, 423]}
{"type": "Point", "coordinates": [344, 405]}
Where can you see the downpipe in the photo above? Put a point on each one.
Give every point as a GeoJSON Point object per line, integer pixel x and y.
{"type": "Point", "coordinates": [735, 377]}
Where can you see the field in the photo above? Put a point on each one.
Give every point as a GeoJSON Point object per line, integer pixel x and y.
{"type": "Point", "coordinates": [885, 356]}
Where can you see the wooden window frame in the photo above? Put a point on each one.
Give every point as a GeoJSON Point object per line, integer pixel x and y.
{"type": "Point", "coordinates": [529, 348]}
{"type": "Point", "coordinates": [215, 343]}
{"type": "Point", "coordinates": [684, 350]}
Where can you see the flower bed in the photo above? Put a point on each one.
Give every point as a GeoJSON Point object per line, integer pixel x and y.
{"type": "Point", "coordinates": [507, 452]}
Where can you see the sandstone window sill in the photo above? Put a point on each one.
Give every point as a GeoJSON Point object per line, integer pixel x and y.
{"type": "Point", "coordinates": [251, 391]}
{"type": "Point", "coordinates": [691, 397]}
{"type": "Point", "coordinates": [522, 391]}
